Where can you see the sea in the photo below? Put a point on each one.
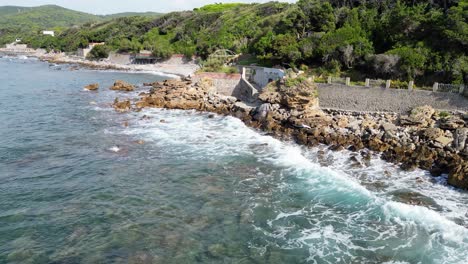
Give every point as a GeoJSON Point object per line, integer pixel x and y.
{"type": "Point", "coordinates": [82, 183]}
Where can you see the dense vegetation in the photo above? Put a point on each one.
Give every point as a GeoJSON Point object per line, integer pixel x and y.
{"type": "Point", "coordinates": [400, 39]}
{"type": "Point", "coordinates": [27, 22]}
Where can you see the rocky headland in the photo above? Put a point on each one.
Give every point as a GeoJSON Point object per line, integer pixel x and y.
{"type": "Point", "coordinates": [289, 109]}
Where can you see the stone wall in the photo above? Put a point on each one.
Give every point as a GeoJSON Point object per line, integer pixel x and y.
{"type": "Point", "coordinates": [374, 99]}
{"type": "Point", "coordinates": [120, 58]}
{"type": "Point", "coordinates": [230, 85]}
{"type": "Point", "coordinates": [226, 84]}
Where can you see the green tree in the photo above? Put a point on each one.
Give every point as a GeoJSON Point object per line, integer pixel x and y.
{"type": "Point", "coordinates": [347, 45]}
{"type": "Point", "coordinates": [318, 14]}
{"type": "Point", "coordinates": [98, 52]}
{"type": "Point", "coordinates": [412, 60]}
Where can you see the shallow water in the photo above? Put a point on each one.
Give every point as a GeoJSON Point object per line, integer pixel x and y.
{"type": "Point", "coordinates": [78, 186]}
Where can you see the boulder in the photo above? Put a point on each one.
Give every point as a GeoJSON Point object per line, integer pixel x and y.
{"type": "Point", "coordinates": [419, 116]}
{"type": "Point", "coordinates": [442, 142]}
{"type": "Point", "coordinates": [389, 127]}
{"type": "Point", "coordinates": [432, 133]}
{"type": "Point", "coordinates": [294, 94]}
{"type": "Point", "coordinates": [451, 123]}
{"type": "Point", "coordinates": [122, 86]}
{"type": "Point", "coordinates": [460, 139]}
{"type": "Point", "coordinates": [92, 87]}
{"type": "Point", "coordinates": [261, 112]}
{"type": "Point", "coordinates": [122, 106]}
{"type": "Point", "coordinates": [271, 97]}
{"type": "Point", "coordinates": [458, 176]}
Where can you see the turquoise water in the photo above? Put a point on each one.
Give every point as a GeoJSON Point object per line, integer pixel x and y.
{"type": "Point", "coordinates": [76, 186]}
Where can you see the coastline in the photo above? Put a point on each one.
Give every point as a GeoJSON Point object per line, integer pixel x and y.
{"type": "Point", "coordinates": [422, 139]}
{"type": "Point", "coordinates": [173, 70]}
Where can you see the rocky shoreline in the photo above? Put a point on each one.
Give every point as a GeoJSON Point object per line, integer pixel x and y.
{"type": "Point", "coordinates": [289, 109]}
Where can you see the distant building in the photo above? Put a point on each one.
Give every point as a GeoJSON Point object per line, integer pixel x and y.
{"type": "Point", "coordinates": [17, 48]}
{"type": "Point", "coordinates": [84, 52]}
{"type": "Point", "coordinates": [144, 57]}
{"type": "Point", "coordinates": [49, 33]}
{"type": "Point", "coordinates": [263, 76]}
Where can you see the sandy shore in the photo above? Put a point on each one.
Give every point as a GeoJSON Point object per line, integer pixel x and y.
{"type": "Point", "coordinates": [173, 67]}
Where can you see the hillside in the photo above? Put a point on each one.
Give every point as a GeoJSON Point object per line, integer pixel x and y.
{"type": "Point", "coordinates": [131, 14]}
{"type": "Point", "coordinates": [406, 40]}
{"type": "Point", "coordinates": [26, 22]}
{"type": "Point", "coordinates": [398, 39]}
{"type": "Point", "coordinates": [43, 17]}
{"type": "Point", "coordinates": [8, 10]}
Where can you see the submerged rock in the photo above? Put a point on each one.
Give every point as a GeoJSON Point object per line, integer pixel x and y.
{"type": "Point", "coordinates": [415, 198]}
{"type": "Point", "coordinates": [92, 87]}
{"type": "Point", "coordinates": [122, 106]}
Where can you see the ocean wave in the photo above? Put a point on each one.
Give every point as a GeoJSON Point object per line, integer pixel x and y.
{"type": "Point", "coordinates": [339, 205]}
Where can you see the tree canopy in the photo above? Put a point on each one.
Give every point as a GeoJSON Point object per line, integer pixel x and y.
{"type": "Point", "coordinates": [407, 39]}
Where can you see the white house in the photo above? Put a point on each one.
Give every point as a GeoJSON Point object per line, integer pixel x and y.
{"type": "Point", "coordinates": [48, 32]}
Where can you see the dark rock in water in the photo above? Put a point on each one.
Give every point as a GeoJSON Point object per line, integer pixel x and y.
{"type": "Point", "coordinates": [162, 121]}
{"type": "Point", "coordinates": [336, 148]}
{"type": "Point", "coordinates": [211, 116]}
{"type": "Point", "coordinates": [92, 87]}
{"type": "Point", "coordinates": [122, 106]}
{"type": "Point", "coordinates": [217, 250]}
{"type": "Point", "coordinates": [355, 162]}
{"type": "Point", "coordinates": [122, 86]}
{"type": "Point", "coordinates": [415, 198]}
{"type": "Point", "coordinates": [142, 258]}
{"type": "Point", "coordinates": [459, 174]}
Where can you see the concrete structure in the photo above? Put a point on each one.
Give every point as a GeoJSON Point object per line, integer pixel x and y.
{"type": "Point", "coordinates": [49, 33]}
{"type": "Point", "coordinates": [144, 57]}
{"type": "Point", "coordinates": [17, 48]}
{"type": "Point", "coordinates": [120, 58]}
{"type": "Point", "coordinates": [262, 76]}
{"type": "Point", "coordinates": [235, 85]}
{"type": "Point", "coordinates": [84, 52]}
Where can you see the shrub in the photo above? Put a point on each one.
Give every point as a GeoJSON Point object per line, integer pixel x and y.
{"type": "Point", "coordinates": [98, 52]}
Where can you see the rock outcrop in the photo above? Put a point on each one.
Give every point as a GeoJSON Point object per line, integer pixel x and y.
{"type": "Point", "coordinates": [122, 86]}
{"type": "Point", "coordinates": [122, 106]}
{"type": "Point", "coordinates": [92, 87]}
{"type": "Point", "coordinates": [419, 140]}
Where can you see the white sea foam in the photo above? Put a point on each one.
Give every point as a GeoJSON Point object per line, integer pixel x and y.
{"type": "Point", "coordinates": [114, 149]}
{"type": "Point", "coordinates": [338, 185]}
